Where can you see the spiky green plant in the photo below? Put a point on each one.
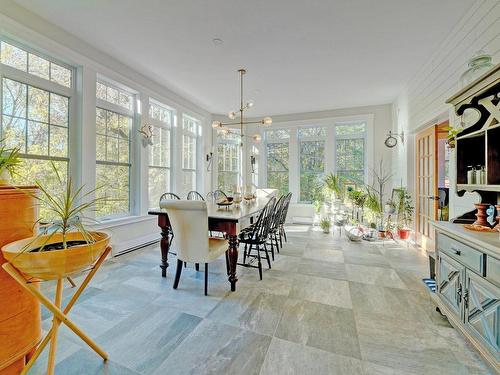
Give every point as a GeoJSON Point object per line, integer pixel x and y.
{"type": "Point", "coordinates": [66, 210]}
{"type": "Point", "coordinates": [9, 158]}
{"type": "Point", "coordinates": [334, 184]}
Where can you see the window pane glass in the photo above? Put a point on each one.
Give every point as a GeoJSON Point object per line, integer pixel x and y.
{"type": "Point", "coordinates": [228, 166]}
{"type": "Point", "coordinates": [277, 134]}
{"type": "Point", "coordinates": [13, 56]}
{"type": "Point", "coordinates": [350, 129]}
{"type": "Point", "coordinates": [60, 75]}
{"type": "Point", "coordinates": [42, 171]}
{"type": "Point", "coordinates": [38, 138]}
{"type": "Point", "coordinates": [312, 132]}
{"type": "Point", "coordinates": [14, 132]}
{"type": "Point", "coordinates": [100, 91]}
{"type": "Point", "coordinates": [158, 184]}
{"type": "Point", "coordinates": [350, 155]}
{"type": "Point", "coordinates": [188, 182]}
{"type": "Point", "coordinates": [312, 168]}
{"type": "Point", "coordinates": [14, 98]}
{"type": "Point", "coordinates": [277, 166]}
{"type": "Point", "coordinates": [58, 141]}
{"type": "Point", "coordinates": [38, 66]}
{"type": "Point", "coordinates": [59, 110]}
{"type": "Point", "coordinates": [38, 104]}
{"type": "Point", "coordinates": [112, 182]}
{"type": "Point", "coordinates": [114, 95]}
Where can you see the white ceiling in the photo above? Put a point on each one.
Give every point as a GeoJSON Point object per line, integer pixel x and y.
{"type": "Point", "coordinates": [301, 56]}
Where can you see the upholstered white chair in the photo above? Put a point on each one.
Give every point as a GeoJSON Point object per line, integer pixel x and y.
{"type": "Point", "coordinates": [189, 221]}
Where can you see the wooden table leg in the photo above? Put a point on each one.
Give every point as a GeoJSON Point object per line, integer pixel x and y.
{"type": "Point", "coordinates": [53, 331]}
{"type": "Point", "coordinates": [233, 260]}
{"type": "Point", "coordinates": [164, 246]}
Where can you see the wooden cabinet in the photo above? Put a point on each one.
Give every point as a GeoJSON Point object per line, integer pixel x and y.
{"type": "Point", "coordinates": [467, 292]}
{"type": "Point", "coordinates": [20, 318]}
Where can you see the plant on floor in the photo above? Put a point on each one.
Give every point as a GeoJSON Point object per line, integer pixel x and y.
{"type": "Point", "coordinates": [325, 224]}
{"type": "Point", "coordinates": [9, 161]}
{"type": "Point", "coordinates": [405, 213]}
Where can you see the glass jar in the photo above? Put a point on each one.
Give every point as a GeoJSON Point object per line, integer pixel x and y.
{"type": "Point", "coordinates": [479, 64]}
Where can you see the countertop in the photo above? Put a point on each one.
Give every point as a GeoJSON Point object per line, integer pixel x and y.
{"type": "Point", "coordinates": [487, 242]}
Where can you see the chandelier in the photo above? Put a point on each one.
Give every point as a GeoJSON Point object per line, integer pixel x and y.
{"type": "Point", "coordinates": [233, 115]}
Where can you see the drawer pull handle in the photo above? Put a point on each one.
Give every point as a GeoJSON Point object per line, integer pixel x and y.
{"type": "Point", "coordinates": [457, 252]}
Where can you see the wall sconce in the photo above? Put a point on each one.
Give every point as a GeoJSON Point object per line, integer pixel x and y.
{"type": "Point", "coordinates": [391, 140]}
{"type": "Point", "coordinates": [209, 157]}
{"type": "Point", "coordinates": [146, 132]}
{"type": "Point", "coordinates": [252, 163]}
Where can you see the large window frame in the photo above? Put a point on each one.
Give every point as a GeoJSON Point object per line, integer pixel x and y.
{"type": "Point", "coordinates": [345, 139]}
{"type": "Point", "coordinates": [122, 111]}
{"type": "Point", "coordinates": [330, 143]}
{"type": "Point", "coordinates": [282, 138]}
{"type": "Point", "coordinates": [190, 129]}
{"type": "Point", "coordinates": [229, 157]}
{"type": "Point", "coordinates": [57, 127]}
{"type": "Point", "coordinates": [315, 136]}
{"type": "Point", "coordinates": [161, 118]}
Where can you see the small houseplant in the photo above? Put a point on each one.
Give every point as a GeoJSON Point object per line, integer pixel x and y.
{"type": "Point", "coordinates": [405, 214]}
{"type": "Point", "coordinates": [452, 134]}
{"type": "Point", "coordinates": [69, 246]}
{"type": "Point", "coordinates": [9, 161]}
{"type": "Point", "coordinates": [325, 224]}
{"type": "Point", "coordinates": [334, 187]}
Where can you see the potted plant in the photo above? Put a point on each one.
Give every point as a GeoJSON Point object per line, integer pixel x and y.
{"type": "Point", "coordinates": [9, 161]}
{"type": "Point", "coordinates": [325, 224]}
{"type": "Point", "coordinates": [405, 214]}
{"type": "Point", "coordinates": [452, 135]}
{"type": "Point", "coordinates": [68, 247]}
{"type": "Point", "coordinates": [334, 187]}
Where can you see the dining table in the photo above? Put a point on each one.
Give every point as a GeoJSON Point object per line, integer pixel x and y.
{"type": "Point", "coordinates": [229, 220]}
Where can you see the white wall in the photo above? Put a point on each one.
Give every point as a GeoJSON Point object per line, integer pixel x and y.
{"type": "Point", "coordinates": [27, 28]}
{"type": "Point", "coordinates": [423, 102]}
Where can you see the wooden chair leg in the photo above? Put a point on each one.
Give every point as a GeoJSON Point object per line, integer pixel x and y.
{"type": "Point", "coordinates": [259, 262]}
{"type": "Point", "coordinates": [272, 247]}
{"type": "Point", "coordinates": [267, 256]}
{"type": "Point", "coordinates": [245, 254]}
{"type": "Point", "coordinates": [178, 273]}
{"type": "Point", "coordinates": [281, 242]}
{"type": "Point", "coordinates": [55, 327]}
{"type": "Point", "coordinates": [206, 279]}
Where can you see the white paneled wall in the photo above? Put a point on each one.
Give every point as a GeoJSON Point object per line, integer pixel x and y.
{"type": "Point", "coordinates": [423, 102]}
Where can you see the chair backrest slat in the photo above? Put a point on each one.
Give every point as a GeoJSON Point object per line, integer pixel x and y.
{"type": "Point", "coordinates": [195, 196]}
{"type": "Point", "coordinates": [169, 196]}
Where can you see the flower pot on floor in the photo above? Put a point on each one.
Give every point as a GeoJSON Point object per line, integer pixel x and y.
{"type": "Point", "coordinates": [404, 233]}
{"type": "Point", "coordinates": [57, 263]}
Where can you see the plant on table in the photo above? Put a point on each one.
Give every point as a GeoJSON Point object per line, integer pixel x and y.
{"type": "Point", "coordinates": [9, 161]}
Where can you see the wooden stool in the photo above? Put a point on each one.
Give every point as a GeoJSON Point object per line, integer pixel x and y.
{"type": "Point", "coordinates": [59, 316]}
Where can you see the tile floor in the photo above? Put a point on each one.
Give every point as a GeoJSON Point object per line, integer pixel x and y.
{"type": "Point", "coordinates": [328, 306]}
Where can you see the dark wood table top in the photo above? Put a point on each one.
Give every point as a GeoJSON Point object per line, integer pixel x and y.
{"type": "Point", "coordinates": [234, 212]}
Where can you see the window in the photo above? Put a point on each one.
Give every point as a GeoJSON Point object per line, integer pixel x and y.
{"type": "Point", "coordinates": [36, 117]}
{"type": "Point", "coordinates": [350, 151]}
{"type": "Point", "coordinates": [35, 65]}
{"type": "Point", "coordinates": [277, 154]}
{"type": "Point", "coordinates": [190, 131]}
{"type": "Point", "coordinates": [111, 94]}
{"type": "Point", "coordinates": [228, 161]}
{"type": "Point", "coordinates": [312, 162]}
{"type": "Point", "coordinates": [160, 117]}
{"type": "Point", "coordinates": [113, 157]}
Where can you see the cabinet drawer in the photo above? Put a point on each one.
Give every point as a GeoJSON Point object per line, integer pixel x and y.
{"type": "Point", "coordinates": [466, 255]}
{"type": "Point", "coordinates": [493, 270]}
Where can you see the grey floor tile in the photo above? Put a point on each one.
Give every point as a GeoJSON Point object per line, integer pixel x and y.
{"type": "Point", "coordinates": [374, 276]}
{"type": "Point", "coordinates": [144, 340]}
{"type": "Point", "coordinates": [320, 326]}
{"type": "Point", "coordinates": [288, 358]}
{"type": "Point", "coordinates": [329, 270]}
{"type": "Point", "coordinates": [215, 348]}
{"type": "Point", "coordinates": [250, 309]}
{"type": "Point", "coordinates": [324, 255]}
{"type": "Point", "coordinates": [321, 290]}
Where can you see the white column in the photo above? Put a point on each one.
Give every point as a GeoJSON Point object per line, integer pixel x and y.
{"type": "Point", "coordinates": [142, 160]}
{"type": "Point", "coordinates": [294, 165]}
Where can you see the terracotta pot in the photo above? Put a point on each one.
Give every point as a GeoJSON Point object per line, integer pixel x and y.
{"type": "Point", "coordinates": [382, 233]}
{"type": "Point", "coordinates": [481, 214]}
{"type": "Point", "coordinates": [498, 216]}
{"type": "Point", "coordinates": [404, 234]}
{"type": "Point", "coordinates": [54, 264]}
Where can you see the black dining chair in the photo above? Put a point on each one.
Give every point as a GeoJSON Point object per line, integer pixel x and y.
{"type": "Point", "coordinates": [256, 238]}
{"type": "Point", "coordinates": [274, 230]}
{"type": "Point", "coordinates": [284, 213]}
{"type": "Point", "coordinates": [195, 196]}
{"type": "Point", "coordinates": [216, 195]}
{"type": "Point", "coordinates": [167, 196]}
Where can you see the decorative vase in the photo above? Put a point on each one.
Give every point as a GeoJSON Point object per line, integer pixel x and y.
{"type": "Point", "coordinates": [481, 214]}
{"type": "Point", "coordinates": [479, 64]}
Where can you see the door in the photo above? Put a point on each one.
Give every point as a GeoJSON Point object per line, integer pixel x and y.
{"type": "Point", "coordinates": [482, 311]}
{"type": "Point", "coordinates": [426, 190]}
{"type": "Point", "coordinates": [449, 283]}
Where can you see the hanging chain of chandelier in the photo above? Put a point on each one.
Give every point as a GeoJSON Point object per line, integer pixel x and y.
{"type": "Point", "coordinates": [233, 115]}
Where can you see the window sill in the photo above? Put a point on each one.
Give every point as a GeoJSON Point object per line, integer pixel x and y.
{"type": "Point", "coordinates": [112, 223]}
